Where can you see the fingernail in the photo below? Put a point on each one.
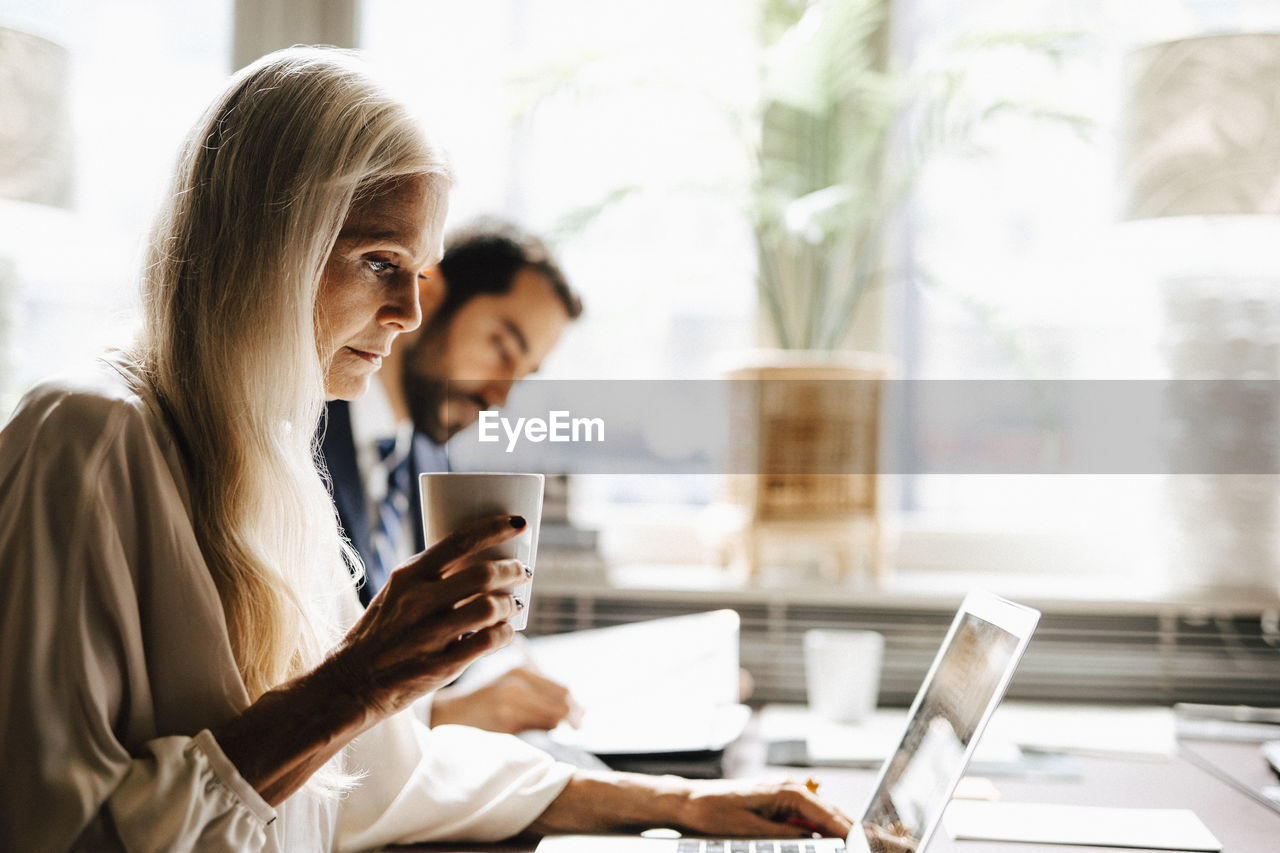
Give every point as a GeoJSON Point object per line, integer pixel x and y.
{"type": "Point", "coordinates": [517, 521]}
{"type": "Point", "coordinates": [528, 572]}
{"type": "Point", "coordinates": [519, 603]}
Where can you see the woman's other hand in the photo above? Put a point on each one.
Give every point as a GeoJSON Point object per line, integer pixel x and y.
{"type": "Point", "coordinates": [762, 810]}
{"type": "Point", "coordinates": [619, 802]}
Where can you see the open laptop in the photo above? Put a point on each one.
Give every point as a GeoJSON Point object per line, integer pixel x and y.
{"type": "Point", "coordinates": [964, 685]}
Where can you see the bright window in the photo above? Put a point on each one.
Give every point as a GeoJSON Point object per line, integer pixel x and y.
{"type": "Point", "coordinates": [141, 71]}
{"type": "Point", "coordinates": [607, 114]}
{"type": "Point", "coordinates": [1010, 263]}
{"type": "Point", "coordinates": [622, 132]}
{"type": "Point", "coordinates": [1019, 265]}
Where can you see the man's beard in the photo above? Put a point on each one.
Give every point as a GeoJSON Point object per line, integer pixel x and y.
{"type": "Point", "coordinates": [425, 396]}
{"type": "Point", "coordinates": [430, 397]}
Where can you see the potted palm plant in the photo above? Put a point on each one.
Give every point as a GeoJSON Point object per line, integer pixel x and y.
{"type": "Point", "coordinates": [822, 202]}
{"type": "Point", "coordinates": [843, 137]}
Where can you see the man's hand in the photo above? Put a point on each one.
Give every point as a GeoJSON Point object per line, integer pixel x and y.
{"type": "Point", "coordinates": [517, 701]}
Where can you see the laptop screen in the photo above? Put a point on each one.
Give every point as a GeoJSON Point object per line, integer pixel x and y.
{"type": "Point", "coordinates": [968, 678]}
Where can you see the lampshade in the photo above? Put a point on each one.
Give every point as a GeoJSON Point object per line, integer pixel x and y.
{"type": "Point", "coordinates": [35, 120]}
{"type": "Point", "coordinates": [1202, 127]}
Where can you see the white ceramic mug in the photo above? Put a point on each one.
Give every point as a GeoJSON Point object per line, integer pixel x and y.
{"type": "Point", "coordinates": [451, 500]}
{"type": "Point", "coordinates": [842, 673]}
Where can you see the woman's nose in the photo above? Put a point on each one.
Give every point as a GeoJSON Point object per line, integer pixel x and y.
{"type": "Point", "coordinates": [402, 308]}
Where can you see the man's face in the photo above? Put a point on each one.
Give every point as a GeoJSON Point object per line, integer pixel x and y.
{"type": "Point", "coordinates": [459, 367]}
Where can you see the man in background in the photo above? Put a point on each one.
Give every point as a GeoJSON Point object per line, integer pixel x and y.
{"type": "Point", "coordinates": [494, 307]}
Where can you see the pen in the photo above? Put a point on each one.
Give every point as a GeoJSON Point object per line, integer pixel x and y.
{"type": "Point", "coordinates": [802, 823]}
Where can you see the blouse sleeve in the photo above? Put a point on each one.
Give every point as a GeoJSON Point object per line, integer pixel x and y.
{"type": "Point", "coordinates": [86, 515]}
{"type": "Point", "coordinates": [452, 783]}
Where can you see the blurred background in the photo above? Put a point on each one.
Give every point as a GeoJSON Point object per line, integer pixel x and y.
{"type": "Point", "coordinates": [965, 177]}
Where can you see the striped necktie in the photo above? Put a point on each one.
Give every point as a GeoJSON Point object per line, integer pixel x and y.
{"type": "Point", "coordinates": [389, 535]}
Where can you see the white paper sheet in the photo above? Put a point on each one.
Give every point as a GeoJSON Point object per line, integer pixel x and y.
{"type": "Point", "coordinates": [1135, 731]}
{"type": "Point", "coordinates": [873, 740]}
{"type": "Point", "coordinates": [656, 686]}
{"type": "Point", "coordinates": [646, 731]}
{"type": "Point", "coordinates": [1037, 823]}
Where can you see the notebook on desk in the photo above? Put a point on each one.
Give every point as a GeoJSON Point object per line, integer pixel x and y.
{"type": "Point", "coordinates": [651, 690]}
{"type": "Point", "coordinates": [960, 692]}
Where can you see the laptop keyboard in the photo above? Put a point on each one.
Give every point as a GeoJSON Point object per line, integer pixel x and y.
{"type": "Point", "coordinates": [692, 845]}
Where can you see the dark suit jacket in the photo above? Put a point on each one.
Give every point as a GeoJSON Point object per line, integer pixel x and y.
{"type": "Point", "coordinates": [338, 450]}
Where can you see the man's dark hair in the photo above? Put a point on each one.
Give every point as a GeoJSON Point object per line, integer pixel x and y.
{"type": "Point", "coordinates": [484, 256]}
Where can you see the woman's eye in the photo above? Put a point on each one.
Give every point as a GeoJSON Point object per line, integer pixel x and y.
{"type": "Point", "coordinates": [380, 267]}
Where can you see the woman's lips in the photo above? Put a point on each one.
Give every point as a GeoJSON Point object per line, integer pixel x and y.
{"type": "Point", "coordinates": [373, 358]}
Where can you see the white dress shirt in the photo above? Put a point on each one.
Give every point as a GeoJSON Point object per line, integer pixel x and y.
{"type": "Point", "coordinates": [372, 419]}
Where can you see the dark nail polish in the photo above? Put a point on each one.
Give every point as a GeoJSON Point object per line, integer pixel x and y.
{"type": "Point", "coordinates": [519, 603]}
{"type": "Point", "coordinates": [517, 521]}
{"type": "Point", "coordinates": [528, 572]}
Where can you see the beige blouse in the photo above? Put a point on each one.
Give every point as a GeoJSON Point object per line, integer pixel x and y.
{"type": "Point", "coordinates": [115, 663]}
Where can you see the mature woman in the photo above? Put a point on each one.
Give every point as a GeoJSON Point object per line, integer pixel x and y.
{"type": "Point", "coordinates": [183, 662]}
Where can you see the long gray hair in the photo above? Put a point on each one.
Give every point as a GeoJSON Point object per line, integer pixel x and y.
{"type": "Point", "coordinates": [263, 185]}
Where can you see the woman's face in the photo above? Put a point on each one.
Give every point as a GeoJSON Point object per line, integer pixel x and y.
{"type": "Point", "coordinates": [369, 289]}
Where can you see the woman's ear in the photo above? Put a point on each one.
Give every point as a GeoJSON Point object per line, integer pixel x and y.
{"type": "Point", "coordinates": [431, 289]}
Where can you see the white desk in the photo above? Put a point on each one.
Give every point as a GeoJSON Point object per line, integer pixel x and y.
{"type": "Point", "coordinates": [1190, 780]}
